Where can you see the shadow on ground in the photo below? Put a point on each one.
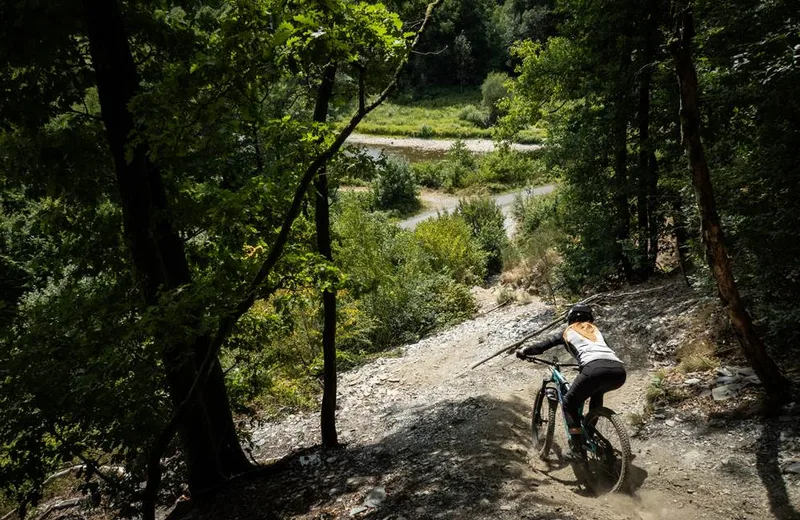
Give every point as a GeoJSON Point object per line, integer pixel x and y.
{"type": "Point", "coordinates": [459, 460]}
{"type": "Point", "coordinates": [770, 472]}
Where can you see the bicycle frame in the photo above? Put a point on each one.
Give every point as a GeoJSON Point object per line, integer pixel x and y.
{"type": "Point", "coordinates": [561, 387]}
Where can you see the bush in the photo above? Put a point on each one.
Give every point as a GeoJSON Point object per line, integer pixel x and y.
{"type": "Point", "coordinates": [487, 224]}
{"type": "Point", "coordinates": [494, 90]}
{"type": "Point", "coordinates": [474, 115]}
{"type": "Point", "coordinates": [452, 249]}
{"type": "Point", "coordinates": [535, 256]}
{"type": "Point", "coordinates": [394, 189]}
{"type": "Point", "coordinates": [505, 166]}
{"type": "Point", "coordinates": [355, 166]}
{"type": "Point", "coordinates": [429, 174]}
{"type": "Point", "coordinates": [531, 213]}
{"type": "Point", "coordinates": [459, 163]}
{"type": "Point", "coordinates": [400, 283]}
{"type": "Point", "coordinates": [426, 132]}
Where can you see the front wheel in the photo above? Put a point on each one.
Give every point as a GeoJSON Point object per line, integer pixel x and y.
{"type": "Point", "coordinates": [542, 428]}
{"type": "Point", "coordinates": [608, 451]}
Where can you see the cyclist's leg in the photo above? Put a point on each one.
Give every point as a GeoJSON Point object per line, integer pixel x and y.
{"type": "Point", "coordinates": [581, 389]}
{"type": "Point", "coordinates": [608, 377]}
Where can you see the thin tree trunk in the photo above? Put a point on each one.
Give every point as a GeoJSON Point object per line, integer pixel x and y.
{"type": "Point", "coordinates": [648, 167]}
{"type": "Point", "coordinates": [642, 205]}
{"type": "Point", "coordinates": [620, 182]}
{"type": "Point", "coordinates": [652, 209]}
{"type": "Point", "coordinates": [323, 225]}
{"type": "Point", "coordinates": [716, 252]}
{"type": "Point", "coordinates": [212, 450]}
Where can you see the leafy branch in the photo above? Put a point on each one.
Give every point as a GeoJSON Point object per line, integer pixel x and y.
{"type": "Point", "coordinates": [227, 323]}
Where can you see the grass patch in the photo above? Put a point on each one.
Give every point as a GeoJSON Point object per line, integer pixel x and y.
{"type": "Point", "coordinates": [656, 391]}
{"type": "Point", "coordinates": [444, 114]}
{"type": "Point", "coordinates": [696, 356]}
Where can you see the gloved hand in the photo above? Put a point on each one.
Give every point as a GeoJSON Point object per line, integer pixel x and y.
{"type": "Point", "coordinates": [529, 351]}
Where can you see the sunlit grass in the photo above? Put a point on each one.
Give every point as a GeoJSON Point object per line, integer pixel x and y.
{"type": "Point", "coordinates": [437, 116]}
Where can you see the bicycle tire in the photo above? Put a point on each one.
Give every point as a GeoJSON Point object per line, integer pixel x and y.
{"type": "Point", "coordinates": [542, 430]}
{"type": "Point", "coordinates": [609, 467]}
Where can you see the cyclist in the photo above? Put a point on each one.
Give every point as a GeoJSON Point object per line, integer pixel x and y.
{"type": "Point", "coordinates": [600, 369]}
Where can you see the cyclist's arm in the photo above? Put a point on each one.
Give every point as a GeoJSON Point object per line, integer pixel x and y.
{"type": "Point", "coordinates": [553, 340]}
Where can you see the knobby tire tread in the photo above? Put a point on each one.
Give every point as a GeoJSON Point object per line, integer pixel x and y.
{"type": "Point", "coordinates": [543, 445]}
{"type": "Point", "coordinates": [624, 444]}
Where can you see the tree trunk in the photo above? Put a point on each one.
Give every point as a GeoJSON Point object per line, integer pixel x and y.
{"type": "Point", "coordinates": [620, 183]}
{"type": "Point", "coordinates": [647, 201]}
{"type": "Point", "coordinates": [158, 259]}
{"type": "Point", "coordinates": [681, 238]}
{"type": "Point", "coordinates": [716, 252]}
{"type": "Point", "coordinates": [323, 225]}
{"type": "Point", "coordinates": [642, 195]}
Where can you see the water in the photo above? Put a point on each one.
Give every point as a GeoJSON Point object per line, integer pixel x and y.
{"type": "Point", "coordinates": [409, 153]}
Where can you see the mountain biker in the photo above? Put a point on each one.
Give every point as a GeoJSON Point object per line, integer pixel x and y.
{"type": "Point", "coordinates": [600, 369]}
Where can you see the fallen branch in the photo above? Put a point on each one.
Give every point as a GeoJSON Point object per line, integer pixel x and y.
{"type": "Point", "coordinates": [499, 305]}
{"type": "Point", "coordinates": [64, 504]}
{"type": "Point", "coordinates": [520, 342]}
{"type": "Point", "coordinates": [99, 470]}
{"type": "Point", "coordinates": [561, 317]}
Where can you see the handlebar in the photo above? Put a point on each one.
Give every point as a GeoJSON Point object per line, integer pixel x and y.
{"type": "Point", "coordinates": [534, 359]}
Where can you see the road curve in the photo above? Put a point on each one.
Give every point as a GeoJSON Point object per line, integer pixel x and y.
{"type": "Point", "coordinates": [450, 203]}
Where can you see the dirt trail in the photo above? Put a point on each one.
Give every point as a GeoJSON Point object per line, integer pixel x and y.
{"type": "Point", "coordinates": [437, 202]}
{"type": "Point", "coordinates": [428, 438]}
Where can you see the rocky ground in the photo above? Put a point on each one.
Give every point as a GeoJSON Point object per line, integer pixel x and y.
{"type": "Point", "coordinates": [425, 437]}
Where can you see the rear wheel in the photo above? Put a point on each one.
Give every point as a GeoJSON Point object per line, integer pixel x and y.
{"type": "Point", "coordinates": [608, 451]}
{"type": "Point", "coordinates": [543, 423]}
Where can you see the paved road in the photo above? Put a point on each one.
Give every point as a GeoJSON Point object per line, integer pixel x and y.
{"type": "Point", "coordinates": [450, 203]}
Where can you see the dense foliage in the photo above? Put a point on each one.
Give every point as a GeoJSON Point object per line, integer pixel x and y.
{"type": "Point", "coordinates": [104, 329]}
{"type": "Point", "coordinates": [496, 171]}
{"type": "Point", "coordinates": [469, 39]}
{"type": "Point", "coordinates": [604, 87]}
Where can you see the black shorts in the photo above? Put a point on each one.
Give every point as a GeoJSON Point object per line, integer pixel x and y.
{"type": "Point", "coordinates": [595, 379]}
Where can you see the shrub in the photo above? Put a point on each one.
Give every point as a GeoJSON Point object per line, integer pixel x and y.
{"type": "Point", "coordinates": [505, 166]}
{"type": "Point", "coordinates": [474, 115]}
{"type": "Point", "coordinates": [487, 224]}
{"type": "Point", "coordinates": [355, 166]}
{"type": "Point", "coordinates": [426, 131]}
{"type": "Point", "coordinates": [530, 213]}
{"type": "Point", "coordinates": [402, 290]}
{"type": "Point", "coordinates": [537, 241]}
{"type": "Point", "coordinates": [394, 189]}
{"type": "Point", "coordinates": [429, 174]}
{"type": "Point", "coordinates": [459, 163]}
{"type": "Point", "coordinates": [494, 90]}
{"type": "Point", "coordinates": [452, 249]}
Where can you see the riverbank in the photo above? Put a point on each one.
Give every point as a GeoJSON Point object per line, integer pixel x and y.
{"type": "Point", "coordinates": [431, 145]}
{"type": "Point", "coordinates": [417, 149]}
